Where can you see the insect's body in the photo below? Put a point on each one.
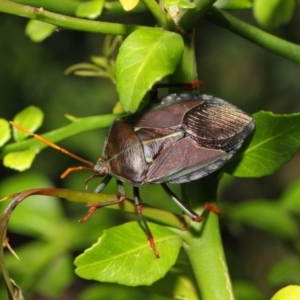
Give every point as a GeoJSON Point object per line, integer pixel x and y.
{"type": "Point", "coordinates": [183, 138]}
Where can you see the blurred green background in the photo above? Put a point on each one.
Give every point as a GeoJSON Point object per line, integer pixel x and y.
{"type": "Point", "coordinates": [232, 68]}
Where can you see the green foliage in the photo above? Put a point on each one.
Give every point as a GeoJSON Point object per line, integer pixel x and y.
{"type": "Point", "coordinates": [274, 13]}
{"type": "Point", "coordinates": [192, 264]}
{"type": "Point", "coordinates": [289, 292]}
{"type": "Point", "coordinates": [101, 66]}
{"type": "Point", "coordinates": [19, 160]}
{"type": "Point", "coordinates": [285, 271]}
{"type": "Point", "coordinates": [90, 9]}
{"type": "Point", "coordinates": [38, 31]}
{"type": "Point", "coordinates": [122, 255]}
{"type": "Point", "coordinates": [180, 3]}
{"type": "Point", "coordinates": [245, 290]}
{"type": "Point", "coordinates": [5, 132]}
{"type": "Point", "coordinates": [146, 56]}
{"type": "Point", "coordinates": [265, 215]}
{"type": "Point", "coordinates": [274, 143]}
{"type": "Point", "coordinates": [30, 118]}
{"type": "Point", "coordinates": [234, 4]}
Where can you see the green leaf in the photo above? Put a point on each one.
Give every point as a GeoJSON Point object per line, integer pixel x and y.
{"type": "Point", "coordinates": [233, 4]}
{"type": "Point", "coordinates": [20, 160]}
{"type": "Point", "coordinates": [273, 13]}
{"type": "Point", "coordinates": [246, 290]}
{"type": "Point", "coordinates": [265, 215]}
{"type": "Point", "coordinates": [90, 9]}
{"type": "Point", "coordinates": [5, 132]}
{"type": "Point", "coordinates": [38, 30]}
{"type": "Point", "coordinates": [122, 255]}
{"type": "Point", "coordinates": [284, 271]}
{"type": "Point", "coordinates": [31, 118]}
{"type": "Point", "coordinates": [290, 292]}
{"type": "Point", "coordinates": [290, 200]}
{"type": "Point", "coordinates": [145, 57]}
{"type": "Point", "coordinates": [274, 142]}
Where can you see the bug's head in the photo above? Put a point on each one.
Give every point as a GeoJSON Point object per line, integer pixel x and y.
{"type": "Point", "coordinates": [101, 167]}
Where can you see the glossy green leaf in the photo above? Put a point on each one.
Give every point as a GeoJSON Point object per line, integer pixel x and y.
{"type": "Point", "coordinates": [273, 13]}
{"type": "Point", "coordinates": [233, 4]}
{"type": "Point", "coordinates": [122, 255]}
{"type": "Point", "coordinates": [5, 132]}
{"type": "Point", "coordinates": [145, 57]}
{"type": "Point", "coordinates": [90, 9]}
{"type": "Point", "coordinates": [38, 30]}
{"type": "Point", "coordinates": [20, 160]}
{"type": "Point", "coordinates": [31, 118]}
{"type": "Point", "coordinates": [275, 141]}
{"type": "Point", "coordinates": [290, 292]}
{"type": "Point", "coordinates": [267, 216]}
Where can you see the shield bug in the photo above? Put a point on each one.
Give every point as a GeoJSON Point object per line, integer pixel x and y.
{"type": "Point", "coordinates": [180, 138]}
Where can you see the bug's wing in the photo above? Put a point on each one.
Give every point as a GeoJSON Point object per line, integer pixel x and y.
{"type": "Point", "coordinates": [217, 124]}
{"type": "Point", "coordinates": [163, 116]}
{"type": "Point", "coordinates": [184, 162]}
{"type": "Point", "coordinates": [156, 141]}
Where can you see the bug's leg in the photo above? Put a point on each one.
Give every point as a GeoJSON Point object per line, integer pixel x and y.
{"type": "Point", "coordinates": [138, 208]}
{"type": "Point", "coordinates": [99, 188]}
{"type": "Point", "coordinates": [74, 169]}
{"type": "Point", "coordinates": [195, 217]}
{"type": "Point", "coordinates": [102, 184]}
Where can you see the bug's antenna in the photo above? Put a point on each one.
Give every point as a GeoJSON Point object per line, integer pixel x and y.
{"type": "Point", "coordinates": [43, 140]}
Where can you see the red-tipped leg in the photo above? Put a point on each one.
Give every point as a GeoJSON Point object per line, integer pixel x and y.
{"type": "Point", "coordinates": [210, 207]}
{"type": "Point", "coordinates": [138, 209]}
{"type": "Point", "coordinates": [93, 208]}
{"type": "Point", "coordinates": [207, 208]}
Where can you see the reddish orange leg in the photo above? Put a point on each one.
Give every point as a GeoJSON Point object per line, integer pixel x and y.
{"type": "Point", "coordinates": [94, 207]}
{"type": "Point", "coordinates": [138, 209]}
{"type": "Point", "coordinates": [74, 169]}
{"type": "Point", "coordinates": [99, 188]}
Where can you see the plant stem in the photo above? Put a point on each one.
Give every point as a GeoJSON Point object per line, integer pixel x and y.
{"type": "Point", "coordinates": [78, 126]}
{"type": "Point", "coordinates": [202, 241]}
{"type": "Point", "coordinates": [203, 244]}
{"type": "Point", "coordinates": [189, 17]}
{"type": "Point", "coordinates": [186, 71]}
{"type": "Point", "coordinates": [254, 34]}
{"type": "Point", "coordinates": [66, 22]}
{"type": "Point", "coordinates": [64, 7]}
{"type": "Point", "coordinates": [69, 7]}
{"type": "Point", "coordinates": [158, 14]}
